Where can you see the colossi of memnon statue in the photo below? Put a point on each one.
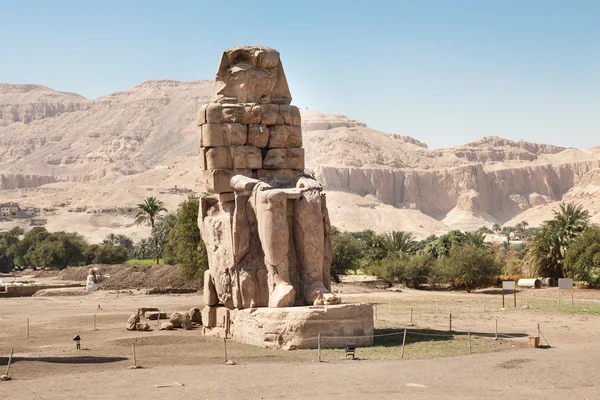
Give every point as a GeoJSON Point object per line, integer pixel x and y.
{"type": "Point", "coordinates": [265, 224]}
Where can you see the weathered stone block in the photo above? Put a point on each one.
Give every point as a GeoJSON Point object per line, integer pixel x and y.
{"type": "Point", "coordinates": [241, 113]}
{"type": "Point", "coordinates": [217, 180]}
{"type": "Point", "coordinates": [290, 115]}
{"type": "Point", "coordinates": [246, 157]}
{"type": "Point", "coordinates": [285, 136]}
{"type": "Point", "coordinates": [201, 119]}
{"type": "Point", "coordinates": [218, 158]}
{"type": "Point", "coordinates": [294, 158]}
{"type": "Point", "coordinates": [209, 316]}
{"type": "Point", "coordinates": [214, 113]}
{"type": "Point", "coordinates": [226, 134]}
{"type": "Point", "coordinates": [271, 115]}
{"type": "Point", "coordinates": [258, 135]}
{"type": "Point", "coordinates": [275, 159]}
{"type": "Point", "coordinates": [202, 156]}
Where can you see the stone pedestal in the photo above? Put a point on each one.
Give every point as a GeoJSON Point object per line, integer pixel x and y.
{"type": "Point", "coordinates": [290, 328]}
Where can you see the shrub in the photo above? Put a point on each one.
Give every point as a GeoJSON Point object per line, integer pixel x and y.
{"type": "Point", "coordinates": [468, 267]}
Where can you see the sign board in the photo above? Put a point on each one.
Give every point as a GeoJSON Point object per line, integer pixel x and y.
{"type": "Point", "coordinates": [508, 285]}
{"type": "Point", "coordinates": [564, 283]}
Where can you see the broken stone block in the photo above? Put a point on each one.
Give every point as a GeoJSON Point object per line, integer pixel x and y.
{"type": "Point", "coordinates": [166, 326]}
{"type": "Point", "coordinates": [294, 137]}
{"type": "Point", "coordinates": [275, 159]}
{"type": "Point", "coordinates": [285, 136]}
{"type": "Point", "coordinates": [258, 135]}
{"type": "Point", "coordinates": [196, 315]}
{"type": "Point", "coordinates": [209, 316]}
{"type": "Point", "coordinates": [218, 180]}
{"type": "Point", "coordinates": [271, 115]}
{"type": "Point", "coordinates": [218, 158]}
{"type": "Point", "coordinates": [201, 119]}
{"type": "Point", "coordinates": [226, 134]}
{"type": "Point", "coordinates": [291, 115]}
{"type": "Point", "coordinates": [187, 325]}
{"type": "Point", "coordinates": [246, 157]}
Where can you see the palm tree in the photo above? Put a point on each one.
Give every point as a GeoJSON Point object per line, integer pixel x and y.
{"type": "Point", "coordinates": [111, 238]}
{"type": "Point", "coordinates": [141, 249]}
{"type": "Point", "coordinates": [395, 243]}
{"type": "Point", "coordinates": [148, 212]}
{"type": "Point", "coordinates": [474, 239]}
{"type": "Point", "coordinates": [496, 227]}
{"type": "Point", "coordinates": [547, 250]}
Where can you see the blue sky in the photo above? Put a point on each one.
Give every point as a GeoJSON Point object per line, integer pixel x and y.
{"type": "Point", "coordinates": [444, 72]}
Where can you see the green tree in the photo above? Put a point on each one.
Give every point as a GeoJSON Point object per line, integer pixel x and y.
{"type": "Point", "coordinates": [395, 243]}
{"type": "Point", "coordinates": [418, 270]}
{"type": "Point", "coordinates": [147, 214]}
{"type": "Point", "coordinates": [549, 245]}
{"type": "Point", "coordinates": [441, 247]}
{"type": "Point", "coordinates": [106, 253]}
{"type": "Point", "coordinates": [8, 241]}
{"type": "Point", "coordinates": [347, 252]}
{"type": "Point", "coordinates": [30, 240]}
{"type": "Point", "coordinates": [475, 239]}
{"type": "Point", "coordinates": [390, 269]}
{"type": "Point", "coordinates": [141, 250]}
{"type": "Point", "coordinates": [185, 245]}
{"type": "Point", "coordinates": [582, 258]}
{"type": "Point", "coordinates": [58, 250]}
{"type": "Point", "coordinates": [468, 267]}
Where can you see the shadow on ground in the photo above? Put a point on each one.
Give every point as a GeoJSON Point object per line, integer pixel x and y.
{"type": "Point", "coordinates": [394, 337]}
{"type": "Point", "coordinates": [65, 360]}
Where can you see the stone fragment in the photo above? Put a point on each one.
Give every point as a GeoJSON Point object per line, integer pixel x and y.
{"type": "Point", "coordinates": [246, 157]}
{"type": "Point", "coordinates": [210, 293]}
{"type": "Point", "coordinates": [196, 315]}
{"type": "Point", "coordinates": [133, 320]}
{"type": "Point", "coordinates": [154, 315]}
{"type": "Point", "coordinates": [225, 134]}
{"type": "Point", "coordinates": [176, 319]}
{"type": "Point", "coordinates": [209, 316]}
{"type": "Point", "coordinates": [271, 115]}
{"type": "Point", "coordinates": [258, 135]}
{"type": "Point", "coordinates": [218, 158]}
{"type": "Point", "coordinates": [187, 325]}
{"type": "Point", "coordinates": [201, 119]}
{"type": "Point", "coordinates": [142, 327]}
{"type": "Point", "coordinates": [166, 326]}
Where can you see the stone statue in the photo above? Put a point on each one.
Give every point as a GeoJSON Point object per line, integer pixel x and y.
{"type": "Point", "coordinates": [266, 227]}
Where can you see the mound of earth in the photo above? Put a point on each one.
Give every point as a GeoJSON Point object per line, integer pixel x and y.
{"type": "Point", "coordinates": [124, 276]}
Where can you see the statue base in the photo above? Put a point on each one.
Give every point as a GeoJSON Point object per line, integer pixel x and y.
{"type": "Point", "coordinates": [291, 328]}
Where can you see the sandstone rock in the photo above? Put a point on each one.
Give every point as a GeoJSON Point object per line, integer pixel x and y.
{"type": "Point", "coordinates": [258, 135]}
{"type": "Point", "coordinates": [132, 322]}
{"type": "Point", "coordinates": [285, 136]}
{"type": "Point", "coordinates": [166, 326]}
{"type": "Point", "coordinates": [155, 315]}
{"type": "Point", "coordinates": [187, 325]}
{"type": "Point", "coordinates": [225, 134]}
{"type": "Point", "coordinates": [142, 327]}
{"type": "Point", "coordinates": [195, 315]}
{"type": "Point", "coordinates": [246, 157]}
{"type": "Point", "coordinates": [177, 319]}
{"type": "Point", "coordinates": [271, 115]}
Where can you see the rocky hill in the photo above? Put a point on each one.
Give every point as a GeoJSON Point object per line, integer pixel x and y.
{"type": "Point", "coordinates": [62, 152]}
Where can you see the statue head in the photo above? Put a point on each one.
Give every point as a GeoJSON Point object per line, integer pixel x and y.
{"type": "Point", "coordinates": [251, 74]}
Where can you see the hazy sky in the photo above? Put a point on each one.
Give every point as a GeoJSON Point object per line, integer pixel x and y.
{"type": "Point", "coordinates": [444, 72]}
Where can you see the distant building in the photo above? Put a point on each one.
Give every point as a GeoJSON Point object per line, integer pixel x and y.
{"type": "Point", "coordinates": [37, 221]}
{"type": "Point", "coordinates": [10, 210]}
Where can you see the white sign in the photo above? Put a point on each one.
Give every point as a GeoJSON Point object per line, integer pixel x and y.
{"type": "Point", "coordinates": [564, 283]}
{"type": "Point", "coordinates": [508, 285]}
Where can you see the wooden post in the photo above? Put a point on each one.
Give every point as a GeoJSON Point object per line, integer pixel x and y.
{"type": "Point", "coordinates": [538, 330]}
{"type": "Point", "coordinates": [411, 315]}
{"type": "Point", "coordinates": [134, 359]}
{"type": "Point", "coordinates": [319, 347]}
{"type": "Point", "coordinates": [572, 291]}
{"type": "Point", "coordinates": [470, 349]}
{"type": "Point", "coordinates": [27, 328]}
{"type": "Point", "coordinates": [502, 297]}
{"type": "Point", "coordinates": [158, 318]}
{"type": "Point", "coordinates": [225, 347]}
{"type": "Point", "coordinates": [450, 322]}
{"type": "Point", "coordinates": [496, 338]}
{"type": "Point", "coordinates": [9, 360]}
{"type": "Point", "coordinates": [515, 296]}
{"type": "Point", "coordinates": [403, 344]}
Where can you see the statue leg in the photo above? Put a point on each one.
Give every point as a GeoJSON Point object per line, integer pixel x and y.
{"type": "Point", "coordinates": [310, 238]}
{"type": "Point", "coordinates": [273, 232]}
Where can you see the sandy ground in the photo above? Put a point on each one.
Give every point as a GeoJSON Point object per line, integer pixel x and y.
{"type": "Point", "coordinates": [184, 364]}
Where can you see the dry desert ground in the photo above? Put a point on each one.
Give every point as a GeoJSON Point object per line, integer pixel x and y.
{"type": "Point", "coordinates": [186, 365]}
